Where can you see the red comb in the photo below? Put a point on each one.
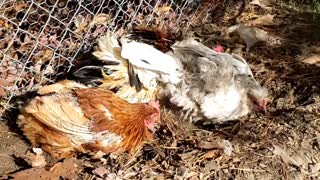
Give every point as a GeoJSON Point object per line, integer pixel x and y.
{"type": "Point", "coordinates": [218, 48]}
{"type": "Point", "coordinates": [154, 104]}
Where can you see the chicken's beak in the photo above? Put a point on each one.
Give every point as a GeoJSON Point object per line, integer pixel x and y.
{"type": "Point", "coordinates": [264, 110]}
{"type": "Point", "coordinates": [264, 106]}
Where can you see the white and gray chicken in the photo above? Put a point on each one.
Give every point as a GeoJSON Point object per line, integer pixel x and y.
{"type": "Point", "coordinates": [215, 86]}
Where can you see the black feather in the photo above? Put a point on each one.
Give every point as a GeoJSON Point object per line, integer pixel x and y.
{"type": "Point", "coordinates": [133, 78]}
{"type": "Point", "coordinates": [89, 75]}
{"type": "Point", "coordinates": [161, 40]}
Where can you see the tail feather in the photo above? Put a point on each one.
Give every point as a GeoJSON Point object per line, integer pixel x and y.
{"type": "Point", "coordinates": [109, 49]}
{"type": "Point", "coordinates": [133, 78]}
{"type": "Point", "coordinates": [161, 40]}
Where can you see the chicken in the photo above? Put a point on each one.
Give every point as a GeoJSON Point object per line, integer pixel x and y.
{"type": "Point", "coordinates": [68, 118]}
{"type": "Point", "coordinates": [215, 87]}
{"type": "Point", "coordinates": [138, 69]}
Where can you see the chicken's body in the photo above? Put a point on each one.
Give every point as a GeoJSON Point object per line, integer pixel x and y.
{"type": "Point", "coordinates": [87, 120]}
{"type": "Point", "coordinates": [214, 86]}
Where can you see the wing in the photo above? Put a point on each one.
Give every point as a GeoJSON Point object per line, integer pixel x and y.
{"type": "Point", "coordinates": [240, 66]}
{"type": "Point", "coordinates": [213, 70]}
{"type": "Point", "coordinates": [194, 48]}
{"type": "Point", "coordinates": [60, 112]}
{"type": "Point", "coordinates": [146, 56]}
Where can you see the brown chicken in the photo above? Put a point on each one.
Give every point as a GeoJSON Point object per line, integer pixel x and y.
{"type": "Point", "coordinates": [69, 117]}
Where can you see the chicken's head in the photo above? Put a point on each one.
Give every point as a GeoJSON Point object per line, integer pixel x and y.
{"type": "Point", "coordinates": [152, 120]}
{"type": "Point", "coordinates": [258, 98]}
{"type": "Point", "coordinates": [256, 95]}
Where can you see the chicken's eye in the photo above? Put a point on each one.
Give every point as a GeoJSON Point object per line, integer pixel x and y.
{"type": "Point", "coordinates": [255, 102]}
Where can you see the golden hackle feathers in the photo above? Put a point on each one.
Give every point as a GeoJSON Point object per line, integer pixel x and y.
{"type": "Point", "coordinates": [130, 82]}
{"type": "Point", "coordinates": [119, 81]}
{"type": "Point", "coordinates": [83, 120]}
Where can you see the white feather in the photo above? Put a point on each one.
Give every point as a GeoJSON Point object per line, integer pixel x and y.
{"type": "Point", "coordinates": [107, 44]}
{"type": "Point", "coordinates": [147, 78]}
{"type": "Point", "coordinates": [221, 104]}
{"type": "Point", "coordinates": [147, 57]}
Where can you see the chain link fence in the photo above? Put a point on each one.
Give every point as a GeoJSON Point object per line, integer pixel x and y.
{"type": "Point", "coordinates": [39, 39]}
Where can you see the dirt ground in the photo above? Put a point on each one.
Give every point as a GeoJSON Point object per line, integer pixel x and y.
{"type": "Point", "coordinates": [284, 143]}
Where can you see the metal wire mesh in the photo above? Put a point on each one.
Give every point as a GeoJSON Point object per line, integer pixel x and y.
{"type": "Point", "coordinates": [39, 39]}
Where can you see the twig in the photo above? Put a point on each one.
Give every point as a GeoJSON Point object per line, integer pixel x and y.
{"type": "Point", "coordinates": [252, 170]}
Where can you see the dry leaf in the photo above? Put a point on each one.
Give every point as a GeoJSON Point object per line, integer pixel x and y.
{"type": "Point", "coordinates": [81, 23]}
{"type": "Point", "coordinates": [101, 171]}
{"type": "Point", "coordinates": [11, 78]}
{"type": "Point", "coordinates": [15, 56]}
{"type": "Point", "coordinates": [62, 170]}
{"type": "Point", "coordinates": [37, 67]}
{"type": "Point", "coordinates": [263, 20]}
{"type": "Point", "coordinates": [27, 38]}
{"type": "Point", "coordinates": [188, 155]}
{"type": "Point", "coordinates": [251, 35]}
{"type": "Point", "coordinates": [79, 20]}
{"type": "Point", "coordinates": [211, 154]}
{"type": "Point", "coordinates": [208, 145]}
{"type": "Point", "coordinates": [102, 18]}
{"type": "Point", "coordinates": [30, 85]}
{"type": "Point", "coordinates": [162, 10]}
{"type": "Point", "coordinates": [4, 82]}
{"type": "Point", "coordinates": [2, 91]}
{"type": "Point", "coordinates": [227, 147]}
{"type": "Point", "coordinates": [48, 70]}
{"type": "Point", "coordinates": [130, 175]}
{"type": "Point", "coordinates": [47, 54]}
{"type": "Point", "coordinates": [315, 168]}
{"type": "Point", "coordinates": [238, 51]}
{"type": "Point", "coordinates": [310, 59]}
{"type": "Point", "coordinates": [261, 3]}
{"type": "Point", "coordinates": [20, 6]}
{"type": "Point", "coordinates": [285, 156]}
{"type": "Point", "coordinates": [191, 175]}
